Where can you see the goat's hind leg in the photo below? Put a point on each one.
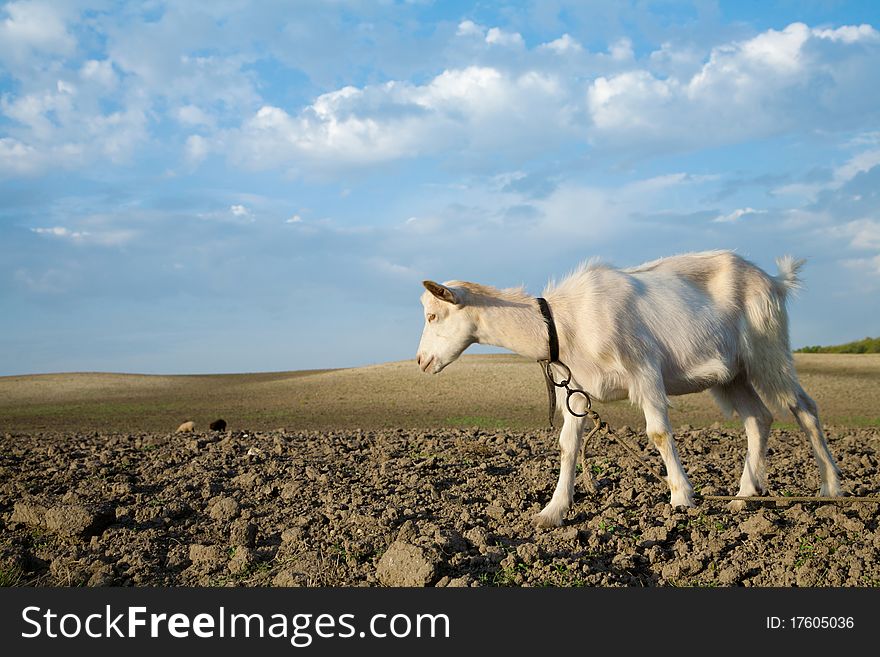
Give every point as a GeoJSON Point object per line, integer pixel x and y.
{"type": "Point", "coordinates": [569, 443]}
{"type": "Point", "coordinates": [739, 395]}
{"type": "Point", "coordinates": [807, 415]}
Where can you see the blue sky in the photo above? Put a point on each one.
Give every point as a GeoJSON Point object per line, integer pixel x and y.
{"type": "Point", "coordinates": [235, 186]}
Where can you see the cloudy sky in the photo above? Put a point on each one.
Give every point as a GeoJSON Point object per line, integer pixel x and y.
{"type": "Point", "coordinates": [227, 186]}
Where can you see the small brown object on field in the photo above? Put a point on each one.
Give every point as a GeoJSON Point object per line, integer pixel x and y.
{"type": "Point", "coordinates": [218, 425]}
{"type": "Point", "coordinates": [186, 427]}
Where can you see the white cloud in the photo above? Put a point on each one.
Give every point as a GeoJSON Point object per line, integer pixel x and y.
{"type": "Point", "coordinates": [173, 72]}
{"type": "Point", "coordinates": [196, 149]}
{"type": "Point", "coordinates": [736, 215]}
{"type": "Point", "coordinates": [144, 71]}
{"type": "Point", "coordinates": [858, 163]}
{"type": "Point", "coordinates": [578, 211]}
{"type": "Point", "coordinates": [498, 37]}
{"type": "Point", "coordinates": [619, 103]}
{"type": "Point", "coordinates": [385, 266]}
{"type": "Point", "coordinates": [869, 138]}
{"type": "Point", "coordinates": [621, 50]}
{"type": "Point", "coordinates": [33, 27]}
{"type": "Point", "coordinates": [564, 44]}
{"type": "Point", "coordinates": [864, 234]}
{"type": "Point", "coordinates": [295, 219]}
{"type": "Point", "coordinates": [849, 33]}
{"type": "Point", "coordinates": [100, 72]}
{"type": "Point", "coordinates": [117, 134]}
{"type": "Point", "coordinates": [104, 234]}
{"type": "Point", "coordinates": [65, 88]}
{"type": "Point", "coordinates": [239, 211]}
{"type": "Point", "coordinates": [780, 51]}
{"type": "Point", "coordinates": [676, 60]}
{"type": "Point", "coordinates": [590, 214]}
{"type": "Point", "coordinates": [494, 36]}
{"type": "Point", "coordinates": [870, 265]}
{"type": "Point", "coordinates": [661, 182]}
{"type": "Point", "coordinates": [775, 82]}
{"type": "Point", "coordinates": [494, 102]}
{"type": "Point", "coordinates": [272, 137]}
{"type": "Point", "coordinates": [193, 115]}
{"type": "Point", "coordinates": [469, 28]}
{"type": "Point", "coordinates": [62, 127]}
{"type": "Point", "coordinates": [799, 189]}
{"type": "Point", "coordinates": [60, 231]}
{"type": "Point", "coordinates": [40, 112]}
{"type": "Point", "coordinates": [460, 109]}
{"type": "Point", "coordinates": [19, 159]}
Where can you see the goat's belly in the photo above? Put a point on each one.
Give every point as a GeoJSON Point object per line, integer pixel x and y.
{"type": "Point", "coordinates": [610, 395]}
{"type": "Point", "coordinates": [697, 378]}
{"type": "Point", "coordinates": [675, 388]}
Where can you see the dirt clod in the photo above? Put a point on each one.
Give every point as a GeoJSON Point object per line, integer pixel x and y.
{"type": "Point", "coordinates": [242, 559]}
{"type": "Point", "coordinates": [758, 525]}
{"type": "Point", "coordinates": [404, 564]}
{"type": "Point", "coordinates": [243, 533]}
{"type": "Point", "coordinates": [205, 554]}
{"type": "Point", "coordinates": [528, 552]}
{"type": "Point", "coordinates": [223, 508]}
{"type": "Point", "coordinates": [29, 514]}
{"type": "Point", "coordinates": [286, 578]}
{"type": "Point", "coordinates": [68, 520]}
{"type": "Point", "coordinates": [478, 536]}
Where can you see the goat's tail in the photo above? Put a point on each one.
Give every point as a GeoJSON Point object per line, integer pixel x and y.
{"type": "Point", "coordinates": [767, 349]}
{"type": "Point", "coordinates": [789, 267]}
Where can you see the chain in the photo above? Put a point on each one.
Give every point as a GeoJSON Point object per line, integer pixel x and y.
{"type": "Point", "coordinates": [548, 372]}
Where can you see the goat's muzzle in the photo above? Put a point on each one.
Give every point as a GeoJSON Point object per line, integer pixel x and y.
{"type": "Point", "coordinates": [424, 363]}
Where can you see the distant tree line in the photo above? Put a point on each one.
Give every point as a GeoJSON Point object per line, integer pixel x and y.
{"type": "Point", "coordinates": [864, 346]}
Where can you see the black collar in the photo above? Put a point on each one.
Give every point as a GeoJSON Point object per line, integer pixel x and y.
{"type": "Point", "coordinates": [553, 338]}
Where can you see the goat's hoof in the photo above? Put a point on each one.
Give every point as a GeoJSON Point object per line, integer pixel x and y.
{"type": "Point", "coordinates": [682, 502]}
{"type": "Point", "coordinates": [830, 490]}
{"type": "Point", "coordinates": [548, 520]}
{"type": "Point", "coordinates": [735, 506]}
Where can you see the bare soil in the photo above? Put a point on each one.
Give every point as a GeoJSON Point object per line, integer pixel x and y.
{"type": "Point", "coordinates": [96, 488]}
{"type": "Point", "coordinates": [447, 507]}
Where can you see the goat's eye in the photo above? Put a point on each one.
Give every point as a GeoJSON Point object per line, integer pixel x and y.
{"type": "Point", "coordinates": [431, 317]}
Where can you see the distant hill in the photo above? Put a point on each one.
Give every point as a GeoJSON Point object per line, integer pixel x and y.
{"type": "Point", "coordinates": [499, 391]}
{"type": "Point", "coordinates": [864, 346]}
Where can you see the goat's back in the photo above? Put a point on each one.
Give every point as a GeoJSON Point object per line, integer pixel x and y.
{"type": "Point", "coordinates": [711, 314]}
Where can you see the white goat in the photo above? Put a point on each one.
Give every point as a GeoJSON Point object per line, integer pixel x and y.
{"type": "Point", "coordinates": [674, 326]}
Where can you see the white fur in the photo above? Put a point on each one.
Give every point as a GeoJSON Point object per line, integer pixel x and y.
{"type": "Point", "coordinates": [699, 321]}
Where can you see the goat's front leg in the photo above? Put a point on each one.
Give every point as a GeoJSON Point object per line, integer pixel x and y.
{"type": "Point", "coordinates": [569, 443]}
{"type": "Point", "coordinates": [660, 433]}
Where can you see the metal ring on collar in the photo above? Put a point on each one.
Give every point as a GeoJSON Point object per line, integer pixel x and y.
{"type": "Point", "coordinates": [568, 402]}
{"type": "Point", "coordinates": [561, 384]}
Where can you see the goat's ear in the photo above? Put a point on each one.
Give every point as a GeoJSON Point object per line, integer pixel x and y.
{"type": "Point", "coordinates": [440, 291]}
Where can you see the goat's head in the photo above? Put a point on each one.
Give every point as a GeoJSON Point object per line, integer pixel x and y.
{"type": "Point", "coordinates": [449, 327]}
